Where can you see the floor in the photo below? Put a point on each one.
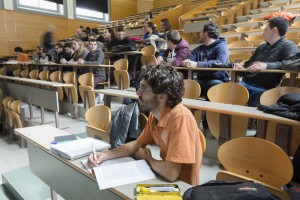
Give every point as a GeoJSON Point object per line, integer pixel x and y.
{"type": "Point", "coordinates": [14, 157]}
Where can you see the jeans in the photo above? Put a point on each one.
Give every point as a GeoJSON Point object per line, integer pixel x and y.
{"type": "Point", "coordinates": [254, 93]}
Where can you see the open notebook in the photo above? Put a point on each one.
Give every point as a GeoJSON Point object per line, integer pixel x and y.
{"type": "Point", "coordinates": [120, 171]}
{"type": "Point", "coordinates": [74, 149]}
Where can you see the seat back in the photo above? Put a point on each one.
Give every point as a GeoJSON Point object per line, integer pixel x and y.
{"type": "Point", "coordinates": [6, 107]}
{"type": "Point", "coordinates": [240, 43]}
{"type": "Point", "coordinates": [86, 79]}
{"type": "Point", "coordinates": [16, 119]}
{"type": "Point", "coordinates": [192, 89]}
{"type": "Point", "coordinates": [16, 73]}
{"type": "Point", "coordinates": [34, 74]}
{"type": "Point", "coordinates": [121, 64]}
{"type": "Point", "coordinates": [55, 76]}
{"type": "Point", "coordinates": [285, 82]}
{"type": "Point", "coordinates": [6, 102]}
{"type": "Point", "coordinates": [16, 106]}
{"type": "Point", "coordinates": [99, 116]}
{"type": "Point", "coordinates": [257, 159]}
{"type": "Point", "coordinates": [148, 50]}
{"type": "Point", "coordinates": [148, 60]}
{"type": "Point", "coordinates": [86, 94]}
{"type": "Point", "coordinates": [122, 79]}
{"type": "Point", "coordinates": [271, 96]}
{"type": "Point", "coordinates": [70, 77]}
{"type": "Point", "coordinates": [228, 93]}
{"type": "Point", "coordinates": [44, 75]}
{"type": "Point", "coordinates": [202, 141]}
{"type": "Point", "coordinates": [24, 73]}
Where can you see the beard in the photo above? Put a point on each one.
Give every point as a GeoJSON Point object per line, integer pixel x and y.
{"type": "Point", "coordinates": [148, 105]}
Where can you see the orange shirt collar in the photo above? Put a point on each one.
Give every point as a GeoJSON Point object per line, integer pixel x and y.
{"type": "Point", "coordinates": [164, 117]}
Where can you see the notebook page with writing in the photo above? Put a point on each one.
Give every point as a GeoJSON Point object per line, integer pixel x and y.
{"type": "Point", "coordinates": [122, 173]}
{"type": "Point", "coordinates": [106, 163]}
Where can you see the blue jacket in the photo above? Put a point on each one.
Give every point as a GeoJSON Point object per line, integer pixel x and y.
{"type": "Point", "coordinates": [216, 52]}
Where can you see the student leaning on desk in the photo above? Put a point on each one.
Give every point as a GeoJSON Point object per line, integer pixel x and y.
{"type": "Point", "coordinates": [171, 126]}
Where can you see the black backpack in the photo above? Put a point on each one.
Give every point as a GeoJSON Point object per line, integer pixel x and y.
{"type": "Point", "coordinates": [228, 190]}
{"type": "Point", "coordinates": [122, 48]}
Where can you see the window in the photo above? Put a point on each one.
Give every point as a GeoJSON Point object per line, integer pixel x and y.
{"type": "Point", "coordinates": [92, 10]}
{"type": "Point", "coordinates": [45, 6]}
{"type": "Point", "coordinates": [1, 4]}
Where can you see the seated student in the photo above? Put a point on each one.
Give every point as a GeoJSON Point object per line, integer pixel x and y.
{"type": "Point", "coordinates": [80, 51]}
{"type": "Point", "coordinates": [109, 36]}
{"type": "Point", "coordinates": [94, 57]}
{"type": "Point", "coordinates": [212, 50]}
{"type": "Point", "coordinates": [67, 56]}
{"type": "Point", "coordinates": [178, 50]}
{"type": "Point", "coordinates": [69, 53]}
{"type": "Point", "coordinates": [150, 33]}
{"type": "Point", "coordinates": [45, 56]}
{"type": "Point", "coordinates": [268, 55]}
{"type": "Point", "coordinates": [78, 33]}
{"type": "Point", "coordinates": [58, 52]}
{"type": "Point", "coordinates": [171, 126]}
{"type": "Point", "coordinates": [21, 57]}
{"type": "Point", "coordinates": [84, 36]}
{"type": "Point", "coordinates": [165, 26]}
{"type": "Point", "coordinates": [93, 36]}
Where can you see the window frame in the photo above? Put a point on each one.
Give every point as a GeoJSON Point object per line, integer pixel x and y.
{"type": "Point", "coordinates": [36, 10]}
{"type": "Point", "coordinates": [92, 19]}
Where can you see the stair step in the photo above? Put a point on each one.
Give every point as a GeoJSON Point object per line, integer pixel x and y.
{"type": "Point", "coordinates": [5, 194]}
{"type": "Point", "coordinates": [24, 185]}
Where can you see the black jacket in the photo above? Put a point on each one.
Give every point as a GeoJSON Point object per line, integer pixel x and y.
{"type": "Point", "coordinates": [287, 106]}
{"type": "Point", "coordinates": [125, 126]}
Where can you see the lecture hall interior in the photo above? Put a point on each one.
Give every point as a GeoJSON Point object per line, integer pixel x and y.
{"type": "Point", "coordinates": [197, 90]}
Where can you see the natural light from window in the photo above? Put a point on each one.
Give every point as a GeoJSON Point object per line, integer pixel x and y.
{"type": "Point", "coordinates": [41, 6]}
{"type": "Point", "coordinates": [89, 14]}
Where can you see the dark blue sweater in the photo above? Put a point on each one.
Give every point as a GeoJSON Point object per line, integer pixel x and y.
{"type": "Point", "coordinates": [216, 52]}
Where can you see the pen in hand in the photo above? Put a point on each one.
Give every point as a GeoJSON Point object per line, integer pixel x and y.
{"type": "Point", "coordinates": [94, 153]}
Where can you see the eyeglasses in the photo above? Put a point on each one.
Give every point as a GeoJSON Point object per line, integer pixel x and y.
{"type": "Point", "coordinates": [143, 89]}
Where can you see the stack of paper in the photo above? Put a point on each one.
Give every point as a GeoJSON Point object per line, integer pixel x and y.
{"type": "Point", "coordinates": [78, 148]}
{"type": "Point", "coordinates": [121, 171]}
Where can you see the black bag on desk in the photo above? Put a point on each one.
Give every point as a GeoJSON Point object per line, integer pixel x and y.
{"type": "Point", "coordinates": [121, 48]}
{"type": "Point", "coordinates": [228, 190]}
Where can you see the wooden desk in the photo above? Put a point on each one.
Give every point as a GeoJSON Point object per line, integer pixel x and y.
{"type": "Point", "coordinates": [226, 110]}
{"type": "Point", "coordinates": [69, 178]}
{"type": "Point", "coordinates": [255, 32]}
{"type": "Point", "coordinates": [244, 24]}
{"type": "Point", "coordinates": [75, 69]}
{"type": "Point", "coordinates": [44, 98]}
{"type": "Point", "coordinates": [234, 72]}
{"type": "Point", "coordinates": [125, 54]}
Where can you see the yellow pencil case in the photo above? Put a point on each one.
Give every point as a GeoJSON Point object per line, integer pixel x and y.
{"type": "Point", "coordinates": [157, 192]}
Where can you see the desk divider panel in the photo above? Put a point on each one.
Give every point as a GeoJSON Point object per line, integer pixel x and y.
{"type": "Point", "coordinates": [44, 98]}
{"type": "Point", "coordinates": [64, 179]}
{"type": "Point", "coordinates": [16, 91]}
{"type": "Point", "coordinates": [194, 26]}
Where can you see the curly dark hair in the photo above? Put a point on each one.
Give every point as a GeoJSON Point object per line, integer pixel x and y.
{"type": "Point", "coordinates": [166, 80]}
